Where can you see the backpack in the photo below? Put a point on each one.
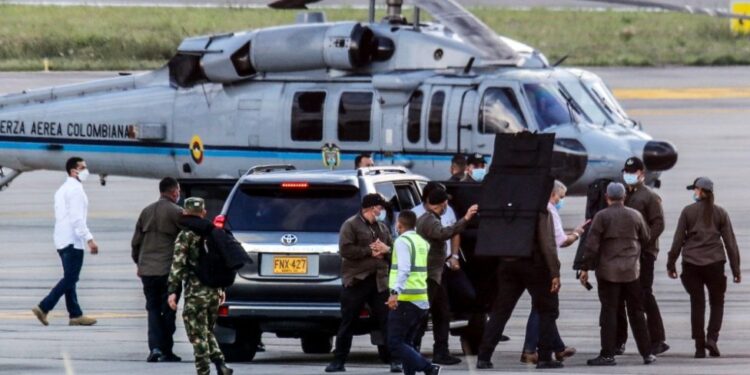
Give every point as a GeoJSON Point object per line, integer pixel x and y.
{"type": "Point", "coordinates": [220, 259]}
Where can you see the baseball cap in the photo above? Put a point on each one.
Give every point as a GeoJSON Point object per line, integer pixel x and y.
{"type": "Point", "coordinates": [438, 196]}
{"type": "Point", "coordinates": [615, 191]}
{"type": "Point", "coordinates": [372, 200]}
{"type": "Point", "coordinates": [703, 183]}
{"type": "Point", "coordinates": [430, 187]}
{"type": "Point", "coordinates": [633, 165]}
{"type": "Point", "coordinates": [476, 159]}
{"type": "Point", "coordinates": [194, 204]}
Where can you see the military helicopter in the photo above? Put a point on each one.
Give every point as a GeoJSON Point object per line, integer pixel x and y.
{"type": "Point", "coordinates": [317, 94]}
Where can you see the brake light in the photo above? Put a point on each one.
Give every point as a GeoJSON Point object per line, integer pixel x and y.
{"type": "Point", "coordinates": [364, 313]}
{"type": "Point", "coordinates": [219, 221]}
{"type": "Point", "coordinates": [294, 185]}
{"type": "Point", "coordinates": [223, 311]}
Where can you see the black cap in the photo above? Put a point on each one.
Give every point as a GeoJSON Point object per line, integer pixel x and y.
{"type": "Point", "coordinates": [372, 200]}
{"type": "Point", "coordinates": [438, 196]}
{"type": "Point", "coordinates": [430, 187]}
{"type": "Point", "coordinates": [633, 165]}
{"type": "Point", "coordinates": [477, 158]}
{"type": "Point", "coordinates": [704, 183]}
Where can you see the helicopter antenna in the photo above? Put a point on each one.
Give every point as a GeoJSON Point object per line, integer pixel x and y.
{"type": "Point", "coordinates": [468, 66]}
{"type": "Point", "coordinates": [417, 17]}
{"type": "Point", "coordinates": [562, 60]}
{"type": "Point", "coordinates": [371, 12]}
{"type": "Point", "coordinates": [205, 95]}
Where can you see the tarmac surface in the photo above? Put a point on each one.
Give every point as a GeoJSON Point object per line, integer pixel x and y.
{"type": "Point", "coordinates": [710, 131]}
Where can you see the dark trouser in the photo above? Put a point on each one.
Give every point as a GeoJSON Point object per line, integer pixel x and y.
{"type": "Point", "coordinates": [403, 326]}
{"type": "Point", "coordinates": [440, 311]}
{"type": "Point", "coordinates": [610, 295]}
{"type": "Point", "coordinates": [532, 335]}
{"type": "Point", "coordinates": [161, 318]}
{"type": "Point", "coordinates": [695, 279]}
{"type": "Point", "coordinates": [653, 316]}
{"type": "Point", "coordinates": [512, 279]}
{"type": "Point", "coordinates": [72, 261]}
{"type": "Point", "coordinates": [353, 300]}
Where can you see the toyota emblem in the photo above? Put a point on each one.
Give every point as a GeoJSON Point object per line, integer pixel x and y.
{"type": "Point", "coordinates": [288, 239]}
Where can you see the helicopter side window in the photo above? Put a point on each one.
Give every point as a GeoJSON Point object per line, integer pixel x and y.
{"type": "Point", "coordinates": [500, 112]}
{"type": "Point", "coordinates": [355, 109]}
{"type": "Point", "coordinates": [414, 118]}
{"type": "Point", "coordinates": [307, 116]}
{"type": "Point", "coordinates": [550, 109]}
{"type": "Point", "coordinates": [435, 123]}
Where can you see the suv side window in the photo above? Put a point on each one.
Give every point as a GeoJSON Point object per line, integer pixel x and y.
{"type": "Point", "coordinates": [407, 195]}
{"type": "Point", "coordinates": [307, 116]}
{"type": "Point", "coordinates": [355, 111]}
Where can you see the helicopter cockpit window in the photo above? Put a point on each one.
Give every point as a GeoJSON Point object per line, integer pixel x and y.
{"type": "Point", "coordinates": [414, 118]}
{"type": "Point", "coordinates": [550, 108]}
{"type": "Point", "coordinates": [500, 112]}
{"type": "Point", "coordinates": [435, 123]}
{"type": "Point", "coordinates": [355, 110]}
{"type": "Point", "coordinates": [590, 108]}
{"type": "Point", "coordinates": [307, 116]}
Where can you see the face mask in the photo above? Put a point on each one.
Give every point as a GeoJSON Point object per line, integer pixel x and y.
{"type": "Point", "coordinates": [478, 174]}
{"type": "Point", "coordinates": [630, 178]}
{"type": "Point", "coordinates": [560, 204]}
{"type": "Point", "coordinates": [83, 175]}
{"type": "Point", "coordinates": [696, 197]}
{"type": "Point", "coordinates": [381, 216]}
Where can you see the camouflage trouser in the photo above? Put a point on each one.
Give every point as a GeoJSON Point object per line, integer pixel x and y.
{"type": "Point", "coordinates": [200, 313]}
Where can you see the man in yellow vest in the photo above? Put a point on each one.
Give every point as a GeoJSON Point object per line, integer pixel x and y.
{"type": "Point", "coordinates": [408, 301]}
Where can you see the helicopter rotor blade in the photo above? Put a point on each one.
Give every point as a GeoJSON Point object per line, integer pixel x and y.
{"type": "Point", "coordinates": [471, 29]}
{"type": "Point", "coordinates": [291, 4]}
{"type": "Point", "coordinates": [722, 13]}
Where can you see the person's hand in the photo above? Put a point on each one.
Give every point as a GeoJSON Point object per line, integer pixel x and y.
{"type": "Point", "coordinates": [738, 279]}
{"type": "Point", "coordinates": [584, 278]}
{"type": "Point", "coordinates": [672, 274]}
{"type": "Point", "coordinates": [93, 247]}
{"type": "Point", "coordinates": [454, 264]}
{"type": "Point", "coordinates": [555, 285]}
{"type": "Point", "coordinates": [172, 301]}
{"type": "Point", "coordinates": [380, 246]}
{"type": "Point", "coordinates": [581, 228]}
{"type": "Point", "coordinates": [471, 212]}
{"type": "Point", "coordinates": [392, 302]}
{"type": "Point", "coordinates": [222, 297]}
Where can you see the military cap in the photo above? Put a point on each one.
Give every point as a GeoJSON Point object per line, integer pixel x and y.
{"type": "Point", "coordinates": [633, 165]}
{"type": "Point", "coordinates": [195, 204]}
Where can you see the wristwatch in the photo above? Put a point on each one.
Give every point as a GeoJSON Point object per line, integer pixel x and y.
{"type": "Point", "coordinates": [454, 256]}
{"type": "Point", "coordinates": [394, 292]}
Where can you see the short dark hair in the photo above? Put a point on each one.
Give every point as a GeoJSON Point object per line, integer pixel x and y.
{"type": "Point", "coordinates": [359, 157]}
{"type": "Point", "coordinates": [72, 163]}
{"type": "Point", "coordinates": [432, 185]}
{"type": "Point", "coordinates": [168, 184]}
{"type": "Point", "coordinates": [408, 219]}
{"type": "Point", "coordinates": [459, 161]}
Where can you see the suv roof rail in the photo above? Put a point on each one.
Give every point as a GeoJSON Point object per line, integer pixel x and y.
{"type": "Point", "coordinates": [270, 168]}
{"type": "Point", "coordinates": [381, 170]}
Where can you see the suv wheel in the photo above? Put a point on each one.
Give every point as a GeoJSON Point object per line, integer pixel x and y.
{"type": "Point", "coordinates": [245, 345]}
{"type": "Point", "coordinates": [317, 344]}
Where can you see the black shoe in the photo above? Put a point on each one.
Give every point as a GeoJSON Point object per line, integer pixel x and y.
{"type": "Point", "coordinates": [222, 369]}
{"type": "Point", "coordinates": [700, 353]}
{"type": "Point", "coordinates": [649, 359]}
{"type": "Point", "coordinates": [713, 348]}
{"type": "Point", "coordinates": [445, 359]}
{"type": "Point", "coordinates": [260, 348]}
{"type": "Point", "coordinates": [154, 356]}
{"type": "Point", "coordinates": [483, 365]}
{"type": "Point", "coordinates": [170, 357]}
{"type": "Point", "coordinates": [336, 366]}
{"type": "Point", "coordinates": [659, 348]}
{"type": "Point", "coordinates": [504, 338]}
{"type": "Point", "coordinates": [601, 361]}
{"type": "Point", "coordinates": [432, 370]}
{"type": "Point", "coordinates": [549, 364]}
{"type": "Point", "coordinates": [396, 367]}
{"type": "Point", "coordinates": [620, 349]}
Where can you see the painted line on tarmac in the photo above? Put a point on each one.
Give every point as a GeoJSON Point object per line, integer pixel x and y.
{"type": "Point", "coordinates": [686, 112]}
{"type": "Point", "coordinates": [702, 93]}
{"type": "Point", "coordinates": [28, 315]}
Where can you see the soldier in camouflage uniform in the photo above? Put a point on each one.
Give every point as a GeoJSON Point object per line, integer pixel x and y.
{"type": "Point", "coordinates": [201, 302]}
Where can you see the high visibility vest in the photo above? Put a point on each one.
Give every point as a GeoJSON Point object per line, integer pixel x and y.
{"type": "Point", "coordinates": [415, 289]}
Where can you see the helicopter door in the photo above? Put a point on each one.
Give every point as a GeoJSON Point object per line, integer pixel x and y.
{"type": "Point", "coordinates": [499, 111]}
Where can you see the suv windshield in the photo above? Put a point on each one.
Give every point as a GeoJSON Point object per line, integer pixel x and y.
{"type": "Point", "coordinates": [302, 208]}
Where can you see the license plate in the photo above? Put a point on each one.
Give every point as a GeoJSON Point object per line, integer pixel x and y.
{"type": "Point", "coordinates": [290, 265]}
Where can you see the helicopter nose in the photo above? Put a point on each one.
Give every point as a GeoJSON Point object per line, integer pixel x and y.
{"type": "Point", "coordinates": [659, 156]}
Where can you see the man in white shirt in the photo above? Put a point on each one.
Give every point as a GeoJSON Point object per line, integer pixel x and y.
{"type": "Point", "coordinates": [71, 234]}
{"type": "Point", "coordinates": [562, 239]}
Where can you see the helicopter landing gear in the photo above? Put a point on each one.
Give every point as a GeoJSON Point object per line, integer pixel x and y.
{"type": "Point", "coordinates": [6, 178]}
{"type": "Point", "coordinates": [103, 179]}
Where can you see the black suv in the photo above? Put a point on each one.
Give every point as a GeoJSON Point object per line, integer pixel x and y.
{"type": "Point", "coordinates": [289, 221]}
